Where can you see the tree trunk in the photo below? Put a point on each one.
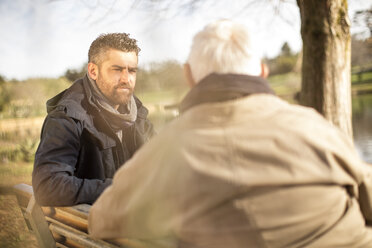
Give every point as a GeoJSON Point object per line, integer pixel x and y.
{"type": "Point", "coordinates": [326, 85]}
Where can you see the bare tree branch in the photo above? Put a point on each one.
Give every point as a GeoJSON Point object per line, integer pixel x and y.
{"type": "Point", "coordinates": [363, 19]}
{"type": "Point", "coordinates": [106, 14]}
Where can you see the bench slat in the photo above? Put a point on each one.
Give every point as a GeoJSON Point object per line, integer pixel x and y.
{"type": "Point", "coordinates": [67, 218]}
{"type": "Point", "coordinates": [78, 236]}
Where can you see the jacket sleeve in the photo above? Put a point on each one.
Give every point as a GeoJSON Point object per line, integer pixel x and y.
{"type": "Point", "coordinates": [144, 131]}
{"type": "Point", "coordinates": [139, 204]}
{"type": "Point", "coordinates": [53, 177]}
{"type": "Point", "coordinates": [365, 194]}
{"type": "Point", "coordinates": [347, 157]}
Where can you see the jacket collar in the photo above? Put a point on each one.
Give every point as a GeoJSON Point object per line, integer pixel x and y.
{"type": "Point", "coordinates": [223, 87]}
{"type": "Point", "coordinates": [77, 101]}
{"type": "Point", "coordinates": [142, 112]}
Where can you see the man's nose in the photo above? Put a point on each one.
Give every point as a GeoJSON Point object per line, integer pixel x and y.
{"type": "Point", "coordinates": [124, 77]}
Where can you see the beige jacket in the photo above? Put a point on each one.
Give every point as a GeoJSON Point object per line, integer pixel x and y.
{"type": "Point", "coordinates": [252, 172]}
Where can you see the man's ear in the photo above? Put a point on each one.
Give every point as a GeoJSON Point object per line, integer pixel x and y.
{"type": "Point", "coordinates": [92, 71]}
{"type": "Point", "coordinates": [188, 74]}
{"type": "Point", "coordinates": [264, 70]}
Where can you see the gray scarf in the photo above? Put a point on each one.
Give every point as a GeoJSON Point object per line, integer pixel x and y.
{"type": "Point", "coordinates": [118, 119]}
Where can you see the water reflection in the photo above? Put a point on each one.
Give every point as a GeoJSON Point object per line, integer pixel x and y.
{"type": "Point", "coordinates": [362, 125]}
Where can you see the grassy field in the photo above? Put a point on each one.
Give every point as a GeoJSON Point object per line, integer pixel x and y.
{"type": "Point", "coordinates": [13, 230]}
{"type": "Point", "coordinates": [17, 145]}
{"type": "Point", "coordinates": [361, 78]}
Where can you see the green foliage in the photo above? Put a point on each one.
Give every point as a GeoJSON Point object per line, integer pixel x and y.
{"type": "Point", "coordinates": [4, 94]}
{"type": "Point", "coordinates": [28, 149]}
{"type": "Point", "coordinates": [73, 74]}
{"type": "Point", "coordinates": [286, 50]}
{"type": "Point", "coordinates": [24, 151]}
{"type": "Point", "coordinates": [162, 76]}
{"type": "Point", "coordinates": [12, 173]}
{"type": "Point", "coordinates": [162, 105]}
{"type": "Point", "coordinates": [282, 64]}
{"type": "Point", "coordinates": [18, 143]}
{"type": "Point", "coordinates": [160, 87]}
{"type": "Point", "coordinates": [358, 77]}
{"type": "Point", "coordinates": [9, 153]}
{"type": "Point", "coordinates": [360, 103]}
{"type": "Point", "coordinates": [285, 62]}
{"type": "Point", "coordinates": [286, 85]}
{"type": "Point", "coordinates": [27, 98]}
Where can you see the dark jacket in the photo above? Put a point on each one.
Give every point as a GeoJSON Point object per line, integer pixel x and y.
{"type": "Point", "coordinates": [78, 152]}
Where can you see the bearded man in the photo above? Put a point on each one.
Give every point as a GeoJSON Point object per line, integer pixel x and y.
{"type": "Point", "coordinates": [93, 127]}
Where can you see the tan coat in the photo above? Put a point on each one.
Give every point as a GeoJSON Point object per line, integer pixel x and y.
{"type": "Point", "coordinates": [252, 172]}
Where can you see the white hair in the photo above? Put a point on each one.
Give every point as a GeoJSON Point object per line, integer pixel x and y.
{"type": "Point", "coordinates": [223, 47]}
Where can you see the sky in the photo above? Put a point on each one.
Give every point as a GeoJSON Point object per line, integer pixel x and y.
{"type": "Point", "coordinates": [44, 38]}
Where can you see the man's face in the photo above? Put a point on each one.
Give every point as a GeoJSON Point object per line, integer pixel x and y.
{"type": "Point", "coordinates": [116, 76]}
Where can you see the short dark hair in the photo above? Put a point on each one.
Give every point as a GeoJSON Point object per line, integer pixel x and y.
{"type": "Point", "coordinates": [104, 42]}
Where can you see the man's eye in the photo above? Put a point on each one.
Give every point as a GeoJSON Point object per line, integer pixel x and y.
{"type": "Point", "coordinates": [133, 70]}
{"type": "Point", "coordinates": [117, 69]}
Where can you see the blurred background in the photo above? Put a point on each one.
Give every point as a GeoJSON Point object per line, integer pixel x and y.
{"type": "Point", "coordinates": [44, 48]}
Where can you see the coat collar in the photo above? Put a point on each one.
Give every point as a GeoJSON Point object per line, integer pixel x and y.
{"type": "Point", "coordinates": [74, 96]}
{"type": "Point", "coordinates": [77, 103]}
{"type": "Point", "coordinates": [223, 87]}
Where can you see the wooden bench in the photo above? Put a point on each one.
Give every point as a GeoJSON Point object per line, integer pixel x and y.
{"type": "Point", "coordinates": [61, 226]}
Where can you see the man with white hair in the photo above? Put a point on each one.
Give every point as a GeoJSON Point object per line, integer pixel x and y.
{"type": "Point", "coordinates": [240, 167]}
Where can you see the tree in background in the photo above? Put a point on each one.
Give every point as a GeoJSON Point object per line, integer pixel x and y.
{"type": "Point", "coordinates": [4, 94]}
{"type": "Point", "coordinates": [286, 50]}
{"type": "Point", "coordinates": [361, 42]}
{"type": "Point", "coordinates": [73, 74]}
{"type": "Point", "coordinates": [325, 31]}
{"type": "Point", "coordinates": [285, 62]}
{"type": "Point", "coordinates": [161, 76]}
{"type": "Point", "coordinates": [363, 19]}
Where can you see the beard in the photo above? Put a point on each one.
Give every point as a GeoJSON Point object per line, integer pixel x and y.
{"type": "Point", "coordinates": [121, 94]}
{"type": "Point", "coordinates": [116, 93]}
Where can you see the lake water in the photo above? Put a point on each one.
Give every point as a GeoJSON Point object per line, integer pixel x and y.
{"type": "Point", "coordinates": [362, 125]}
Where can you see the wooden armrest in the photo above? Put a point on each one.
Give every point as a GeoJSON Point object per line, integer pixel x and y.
{"type": "Point", "coordinates": [56, 226]}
